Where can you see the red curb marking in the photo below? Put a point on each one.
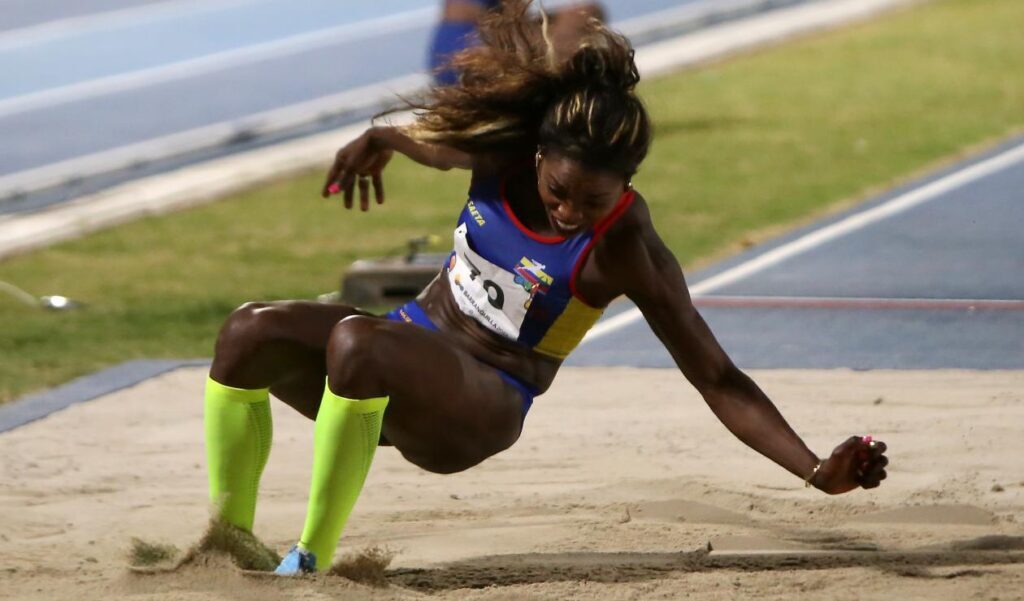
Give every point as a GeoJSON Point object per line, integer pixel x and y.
{"type": "Point", "coordinates": [811, 302]}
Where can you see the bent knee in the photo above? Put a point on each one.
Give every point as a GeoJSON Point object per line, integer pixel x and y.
{"type": "Point", "coordinates": [355, 338]}
{"type": "Point", "coordinates": [357, 356]}
{"type": "Point", "coordinates": [248, 332]}
{"type": "Point", "coordinates": [249, 324]}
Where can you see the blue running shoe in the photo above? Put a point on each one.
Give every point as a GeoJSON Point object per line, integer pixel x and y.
{"type": "Point", "coordinates": [297, 561]}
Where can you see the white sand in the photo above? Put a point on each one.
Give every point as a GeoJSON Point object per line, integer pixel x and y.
{"type": "Point", "coordinates": [622, 461]}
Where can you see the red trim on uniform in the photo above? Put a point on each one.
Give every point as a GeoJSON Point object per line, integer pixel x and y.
{"type": "Point", "coordinates": [522, 228]}
{"type": "Point", "coordinates": [602, 226]}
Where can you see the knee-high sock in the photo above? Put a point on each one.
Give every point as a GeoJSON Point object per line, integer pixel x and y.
{"type": "Point", "coordinates": [238, 436]}
{"type": "Point", "coordinates": [344, 441]}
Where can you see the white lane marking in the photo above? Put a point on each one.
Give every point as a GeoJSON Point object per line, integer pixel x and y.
{"type": "Point", "coordinates": [111, 19]}
{"type": "Point", "coordinates": [689, 14]}
{"type": "Point", "coordinates": [217, 62]}
{"type": "Point", "coordinates": [180, 143]}
{"type": "Point", "coordinates": [828, 233]}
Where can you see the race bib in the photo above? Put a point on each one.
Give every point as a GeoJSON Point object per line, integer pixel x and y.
{"type": "Point", "coordinates": [486, 292]}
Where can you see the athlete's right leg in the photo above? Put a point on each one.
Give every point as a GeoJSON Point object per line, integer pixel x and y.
{"type": "Point", "coordinates": [261, 347]}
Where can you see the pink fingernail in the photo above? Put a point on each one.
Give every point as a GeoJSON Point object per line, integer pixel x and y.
{"type": "Point", "coordinates": [866, 439]}
{"type": "Point", "coordinates": [334, 188]}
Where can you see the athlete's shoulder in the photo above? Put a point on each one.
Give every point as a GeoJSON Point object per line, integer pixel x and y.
{"type": "Point", "coordinates": [632, 240]}
{"type": "Point", "coordinates": [620, 253]}
{"type": "Point", "coordinates": [632, 255]}
{"type": "Point", "coordinates": [634, 223]}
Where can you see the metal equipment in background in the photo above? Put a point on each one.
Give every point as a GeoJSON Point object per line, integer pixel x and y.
{"type": "Point", "coordinates": [54, 302]}
{"type": "Point", "coordinates": [390, 281]}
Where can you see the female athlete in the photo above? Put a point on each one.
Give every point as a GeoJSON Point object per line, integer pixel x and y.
{"type": "Point", "coordinates": [551, 233]}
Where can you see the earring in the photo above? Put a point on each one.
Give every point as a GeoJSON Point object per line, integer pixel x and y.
{"type": "Point", "coordinates": [538, 157]}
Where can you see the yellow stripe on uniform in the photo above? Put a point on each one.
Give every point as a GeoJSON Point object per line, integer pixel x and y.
{"type": "Point", "coordinates": [568, 330]}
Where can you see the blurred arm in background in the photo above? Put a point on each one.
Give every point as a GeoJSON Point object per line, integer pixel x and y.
{"type": "Point", "coordinates": [458, 30]}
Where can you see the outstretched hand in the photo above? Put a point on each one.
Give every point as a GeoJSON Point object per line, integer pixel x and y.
{"type": "Point", "coordinates": [360, 162]}
{"type": "Point", "coordinates": [858, 462]}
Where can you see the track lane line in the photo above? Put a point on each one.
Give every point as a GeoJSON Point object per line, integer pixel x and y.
{"type": "Point", "coordinates": [110, 19]}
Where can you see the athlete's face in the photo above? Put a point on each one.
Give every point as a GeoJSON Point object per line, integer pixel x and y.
{"type": "Point", "coordinates": [575, 196]}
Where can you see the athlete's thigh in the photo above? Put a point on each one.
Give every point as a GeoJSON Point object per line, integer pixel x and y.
{"type": "Point", "coordinates": [307, 325]}
{"type": "Point", "coordinates": [444, 402]}
{"type": "Point", "coordinates": [310, 323]}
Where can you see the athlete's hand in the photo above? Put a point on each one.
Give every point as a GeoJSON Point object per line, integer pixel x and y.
{"type": "Point", "coordinates": [358, 163]}
{"type": "Point", "coordinates": [858, 462]}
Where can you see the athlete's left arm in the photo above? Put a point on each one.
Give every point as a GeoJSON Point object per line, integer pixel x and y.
{"type": "Point", "coordinates": [649, 274]}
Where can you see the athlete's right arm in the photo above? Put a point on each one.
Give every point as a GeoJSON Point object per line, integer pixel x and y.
{"type": "Point", "coordinates": [362, 160]}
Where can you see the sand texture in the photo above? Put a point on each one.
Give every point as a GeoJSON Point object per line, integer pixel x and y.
{"type": "Point", "coordinates": [621, 480]}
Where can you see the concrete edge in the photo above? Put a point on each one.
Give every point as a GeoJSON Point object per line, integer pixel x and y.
{"type": "Point", "coordinates": [263, 125]}
{"type": "Point", "coordinates": [203, 183]}
{"type": "Point", "coordinates": [37, 406]}
{"type": "Point", "coordinates": [167, 192]}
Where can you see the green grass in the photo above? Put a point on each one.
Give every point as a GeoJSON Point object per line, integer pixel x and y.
{"type": "Point", "coordinates": [743, 149]}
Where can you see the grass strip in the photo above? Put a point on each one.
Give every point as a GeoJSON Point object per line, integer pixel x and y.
{"type": "Point", "coordinates": [743, 149]}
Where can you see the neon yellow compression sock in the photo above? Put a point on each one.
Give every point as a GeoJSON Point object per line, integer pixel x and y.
{"type": "Point", "coordinates": [238, 435]}
{"type": "Point", "coordinates": [344, 441]}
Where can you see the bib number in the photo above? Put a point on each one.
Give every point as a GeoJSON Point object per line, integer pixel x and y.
{"type": "Point", "coordinates": [485, 291]}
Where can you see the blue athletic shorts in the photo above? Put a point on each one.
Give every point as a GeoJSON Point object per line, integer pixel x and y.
{"type": "Point", "coordinates": [411, 312]}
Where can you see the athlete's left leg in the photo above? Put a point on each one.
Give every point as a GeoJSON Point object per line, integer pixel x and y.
{"type": "Point", "coordinates": [445, 412]}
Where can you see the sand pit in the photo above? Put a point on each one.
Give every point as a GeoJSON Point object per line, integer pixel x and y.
{"type": "Point", "coordinates": [620, 482]}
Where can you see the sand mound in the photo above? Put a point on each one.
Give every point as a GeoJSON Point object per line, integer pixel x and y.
{"type": "Point", "coordinates": [245, 550]}
{"type": "Point", "coordinates": [221, 540]}
{"type": "Point", "coordinates": [224, 553]}
{"type": "Point", "coordinates": [143, 554]}
{"type": "Point", "coordinates": [621, 481]}
{"type": "Point", "coordinates": [368, 566]}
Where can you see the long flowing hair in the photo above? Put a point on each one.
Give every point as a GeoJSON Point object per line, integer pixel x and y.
{"type": "Point", "coordinates": [515, 95]}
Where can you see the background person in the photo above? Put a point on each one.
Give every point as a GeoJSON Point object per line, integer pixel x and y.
{"type": "Point", "coordinates": [460, 19]}
{"type": "Point", "coordinates": [456, 31]}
